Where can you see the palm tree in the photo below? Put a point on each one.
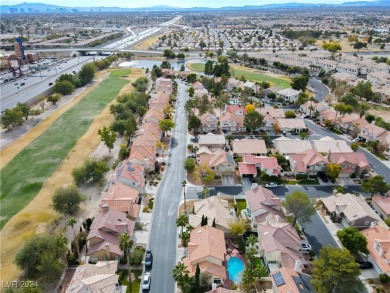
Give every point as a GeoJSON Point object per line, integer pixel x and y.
{"type": "Point", "coordinates": [229, 137]}
{"type": "Point", "coordinates": [125, 244]}
{"type": "Point", "coordinates": [179, 273]}
{"type": "Point", "coordinates": [303, 135]}
{"type": "Point", "coordinates": [182, 221]}
{"type": "Point", "coordinates": [62, 244]}
{"type": "Point", "coordinates": [185, 237]}
{"type": "Point", "coordinates": [247, 280]}
{"type": "Point", "coordinates": [71, 223]}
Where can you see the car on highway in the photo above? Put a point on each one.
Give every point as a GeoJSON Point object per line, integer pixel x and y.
{"type": "Point", "coordinates": [271, 185]}
{"type": "Point", "coordinates": [148, 258]}
{"type": "Point", "coordinates": [146, 281]}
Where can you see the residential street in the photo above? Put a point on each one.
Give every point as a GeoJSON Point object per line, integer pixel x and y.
{"type": "Point", "coordinates": [378, 166]}
{"type": "Point", "coordinates": [320, 90]}
{"type": "Point", "coordinates": [163, 230]}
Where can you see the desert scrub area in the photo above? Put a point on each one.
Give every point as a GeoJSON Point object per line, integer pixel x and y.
{"type": "Point", "coordinates": [23, 176]}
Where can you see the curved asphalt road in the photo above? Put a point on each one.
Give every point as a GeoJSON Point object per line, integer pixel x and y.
{"type": "Point", "coordinates": [320, 90]}
{"type": "Point", "coordinates": [163, 235]}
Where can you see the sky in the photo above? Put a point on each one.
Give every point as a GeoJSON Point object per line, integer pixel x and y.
{"type": "Point", "coordinates": [174, 3]}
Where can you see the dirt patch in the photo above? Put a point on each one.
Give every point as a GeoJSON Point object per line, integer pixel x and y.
{"type": "Point", "coordinates": [280, 76]}
{"type": "Point", "coordinates": [38, 214]}
{"type": "Point", "coordinates": [384, 114]}
{"type": "Point", "coordinates": [147, 43]}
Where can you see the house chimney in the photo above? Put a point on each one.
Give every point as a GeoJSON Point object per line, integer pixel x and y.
{"type": "Point", "coordinates": [373, 224]}
{"type": "Point", "coordinates": [213, 286]}
{"type": "Point", "coordinates": [297, 266]}
{"type": "Point", "coordinates": [105, 208]}
{"type": "Point", "coordinates": [147, 164]}
{"type": "Point", "coordinates": [107, 247]}
{"type": "Point", "coordinates": [254, 185]}
{"type": "Point", "coordinates": [276, 219]}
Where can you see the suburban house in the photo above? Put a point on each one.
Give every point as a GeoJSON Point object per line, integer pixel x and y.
{"type": "Point", "coordinates": [350, 210]}
{"type": "Point", "coordinates": [269, 115]}
{"type": "Point", "coordinates": [130, 174]}
{"type": "Point", "coordinates": [382, 205]}
{"type": "Point", "coordinates": [150, 128]}
{"type": "Point", "coordinates": [143, 155]}
{"type": "Point", "coordinates": [263, 205]}
{"type": "Point", "coordinates": [378, 246]}
{"type": "Point", "coordinates": [328, 114]}
{"type": "Point", "coordinates": [212, 141]}
{"type": "Point", "coordinates": [207, 248]}
{"type": "Point", "coordinates": [103, 238]}
{"type": "Point", "coordinates": [372, 132]}
{"type": "Point", "coordinates": [310, 108]}
{"type": "Point", "coordinates": [122, 198]}
{"type": "Point", "coordinates": [221, 162]}
{"type": "Point", "coordinates": [235, 109]}
{"type": "Point", "coordinates": [215, 209]}
{"type": "Point", "coordinates": [357, 124]}
{"type": "Point", "coordinates": [288, 146]}
{"type": "Point", "coordinates": [327, 145]}
{"type": "Point", "coordinates": [345, 123]}
{"type": "Point", "coordinates": [209, 123]}
{"type": "Point", "coordinates": [272, 89]}
{"type": "Point", "coordinates": [289, 95]}
{"type": "Point", "coordinates": [294, 125]}
{"type": "Point", "coordinates": [95, 278]}
{"type": "Point", "coordinates": [249, 147]}
{"type": "Point", "coordinates": [153, 115]}
{"type": "Point", "coordinates": [232, 123]}
{"type": "Point", "coordinates": [279, 244]}
{"type": "Point", "coordinates": [351, 163]}
{"type": "Point", "coordinates": [307, 162]}
{"type": "Point", "coordinates": [251, 164]}
{"type": "Point", "coordinates": [286, 280]}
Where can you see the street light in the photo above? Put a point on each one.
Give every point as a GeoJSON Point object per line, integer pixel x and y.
{"type": "Point", "coordinates": [183, 184]}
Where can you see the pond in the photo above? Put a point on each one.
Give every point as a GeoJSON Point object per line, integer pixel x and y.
{"type": "Point", "coordinates": [149, 63]}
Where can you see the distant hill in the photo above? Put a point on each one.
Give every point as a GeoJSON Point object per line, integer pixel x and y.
{"type": "Point", "coordinates": [48, 8]}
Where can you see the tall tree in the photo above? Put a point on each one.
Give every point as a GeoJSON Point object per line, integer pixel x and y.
{"type": "Point", "coordinates": [353, 240]}
{"type": "Point", "coordinates": [108, 137]}
{"type": "Point", "coordinates": [335, 271]}
{"type": "Point", "coordinates": [197, 278]}
{"type": "Point", "coordinates": [66, 200]}
{"type": "Point", "coordinates": [194, 123]}
{"type": "Point", "coordinates": [300, 206]}
{"type": "Point", "coordinates": [166, 125]}
{"type": "Point", "coordinates": [180, 275]}
{"type": "Point", "coordinates": [71, 222]}
{"type": "Point", "coordinates": [300, 82]}
{"type": "Point", "coordinates": [25, 109]}
{"type": "Point", "coordinates": [375, 184]}
{"type": "Point", "coordinates": [333, 170]}
{"type": "Point", "coordinates": [363, 107]}
{"type": "Point", "coordinates": [253, 121]}
{"type": "Point", "coordinates": [363, 90]}
{"type": "Point", "coordinates": [87, 73]}
{"type": "Point", "coordinates": [182, 221]}
{"type": "Point", "coordinates": [126, 244]}
{"type": "Point", "coordinates": [208, 67]}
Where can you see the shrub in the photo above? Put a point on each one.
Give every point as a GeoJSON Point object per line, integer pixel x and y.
{"type": "Point", "coordinates": [136, 257]}
{"type": "Point", "coordinates": [91, 171]}
{"type": "Point", "coordinates": [123, 261]}
{"type": "Point", "coordinates": [301, 176]}
{"type": "Point", "coordinates": [384, 278]}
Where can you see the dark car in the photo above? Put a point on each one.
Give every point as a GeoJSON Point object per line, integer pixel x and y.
{"type": "Point", "coordinates": [365, 265]}
{"type": "Point", "coordinates": [50, 83]}
{"type": "Point", "coordinates": [323, 176]}
{"type": "Point", "coordinates": [22, 84]}
{"type": "Point", "coordinates": [148, 258]}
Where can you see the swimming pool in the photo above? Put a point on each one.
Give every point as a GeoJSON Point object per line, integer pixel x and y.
{"type": "Point", "coordinates": [235, 267]}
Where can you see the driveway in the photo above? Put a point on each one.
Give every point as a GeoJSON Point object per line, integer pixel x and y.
{"type": "Point", "coordinates": [227, 180]}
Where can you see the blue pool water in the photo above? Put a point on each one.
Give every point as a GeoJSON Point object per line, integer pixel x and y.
{"type": "Point", "coordinates": [235, 267]}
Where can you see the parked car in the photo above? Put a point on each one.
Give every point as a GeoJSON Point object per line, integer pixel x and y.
{"type": "Point", "coordinates": [271, 185]}
{"type": "Point", "coordinates": [193, 156]}
{"type": "Point", "coordinates": [50, 83]}
{"type": "Point", "coordinates": [322, 176]}
{"type": "Point", "coordinates": [148, 258]}
{"type": "Point", "coordinates": [364, 265]}
{"type": "Point", "coordinates": [305, 247]}
{"type": "Point", "coordinates": [22, 84]}
{"type": "Point", "coordinates": [146, 281]}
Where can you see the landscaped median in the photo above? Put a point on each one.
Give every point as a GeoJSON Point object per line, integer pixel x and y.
{"type": "Point", "coordinates": [93, 112]}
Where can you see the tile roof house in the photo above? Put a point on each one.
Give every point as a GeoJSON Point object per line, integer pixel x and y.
{"type": "Point", "coordinates": [221, 162]}
{"type": "Point", "coordinates": [122, 198]}
{"type": "Point", "coordinates": [249, 147]}
{"type": "Point", "coordinates": [150, 128]}
{"type": "Point", "coordinates": [378, 246]}
{"type": "Point", "coordinates": [288, 146]}
{"type": "Point", "coordinates": [310, 108]}
{"type": "Point", "coordinates": [350, 210]}
{"type": "Point", "coordinates": [307, 162]}
{"type": "Point", "coordinates": [232, 123]}
{"type": "Point", "coordinates": [269, 115]}
{"type": "Point", "coordinates": [372, 132]}
{"type": "Point", "coordinates": [272, 89]}
{"type": "Point", "coordinates": [327, 114]}
{"type": "Point", "coordinates": [212, 140]}
{"type": "Point", "coordinates": [209, 123]}
{"type": "Point", "coordinates": [207, 248]}
{"type": "Point", "coordinates": [143, 155]}
{"type": "Point", "coordinates": [286, 280]}
{"type": "Point", "coordinates": [251, 164]}
{"type": "Point", "coordinates": [130, 174]}
{"type": "Point", "coordinates": [95, 278]}
{"type": "Point", "coordinates": [351, 163]}
{"type": "Point", "coordinates": [279, 245]}
{"type": "Point", "coordinates": [291, 125]}
{"type": "Point", "coordinates": [235, 109]}
{"type": "Point", "coordinates": [289, 95]}
{"type": "Point", "coordinates": [327, 144]}
{"type": "Point", "coordinates": [263, 205]}
{"type": "Point", "coordinates": [103, 238]}
{"type": "Point", "coordinates": [213, 207]}
{"type": "Point", "coordinates": [382, 205]}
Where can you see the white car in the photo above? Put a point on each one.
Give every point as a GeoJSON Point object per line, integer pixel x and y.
{"type": "Point", "coordinates": [271, 185]}
{"type": "Point", "coordinates": [305, 247]}
{"type": "Point", "coordinates": [146, 281]}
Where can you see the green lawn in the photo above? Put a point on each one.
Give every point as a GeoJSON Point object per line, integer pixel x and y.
{"type": "Point", "coordinates": [241, 205]}
{"type": "Point", "coordinates": [196, 66]}
{"type": "Point", "coordinates": [256, 76]}
{"type": "Point", "coordinates": [22, 178]}
{"type": "Point", "coordinates": [124, 280]}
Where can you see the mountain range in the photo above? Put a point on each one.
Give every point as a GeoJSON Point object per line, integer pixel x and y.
{"type": "Point", "coordinates": [47, 8]}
